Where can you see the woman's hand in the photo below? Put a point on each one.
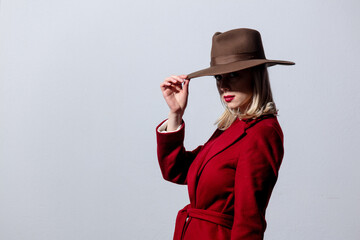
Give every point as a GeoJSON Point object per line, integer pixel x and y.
{"type": "Point", "coordinates": [175, 90]}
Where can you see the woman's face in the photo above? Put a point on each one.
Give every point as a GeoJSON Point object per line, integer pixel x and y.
{"type": "Point", "coordinates": [236, 88]}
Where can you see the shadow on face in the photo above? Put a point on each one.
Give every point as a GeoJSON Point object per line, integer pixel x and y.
{"type": "Point", "coordinates": [239, 81]}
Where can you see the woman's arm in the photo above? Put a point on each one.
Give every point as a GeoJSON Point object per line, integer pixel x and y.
{"type": "Point", "coordinates": [255, 178]}
{"type": "Point", "coordinates": [174, 160]}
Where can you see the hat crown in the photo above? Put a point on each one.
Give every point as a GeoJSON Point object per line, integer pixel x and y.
{"type": "Point", "coordinates": [236, 45]}
{"type": "Point", "coordinates": [236, 50]}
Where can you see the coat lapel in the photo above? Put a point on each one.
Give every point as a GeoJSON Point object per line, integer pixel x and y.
{"type": "Point", "coordinates": [216, 144]}
{"type": "Point", "coordinates": [235, 132]}
{"type": "Point", "coordinates": [227, 138]}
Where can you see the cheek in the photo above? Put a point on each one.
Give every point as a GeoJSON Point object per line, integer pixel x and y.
{"type": "Point", "coordinates": [243, 98]}
{"type": "Point", "coordinates": [245, 90]}
{"type": "Point", "coordinates": [248, 97]}
{"type": "Point", "coordinates": [218, 88]}
{"type": "Point", "coordinates": [248, 89]}
{"type": "Point", "coordinates": [248, 93]}
{"type": "Point", "coordinates": [245, 94]}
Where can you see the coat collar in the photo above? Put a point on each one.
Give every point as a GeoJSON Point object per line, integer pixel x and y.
{"type": "Point", "coordinates": [220, 141]}
{"type": "Point", "coordinates": [235, 132]}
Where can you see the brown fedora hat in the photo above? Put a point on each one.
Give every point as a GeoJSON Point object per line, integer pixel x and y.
{"type": "Point", "coordinates": [236, 50]}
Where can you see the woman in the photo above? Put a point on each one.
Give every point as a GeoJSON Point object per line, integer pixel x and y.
{"type": "Point", "coordinates": [230, 178]}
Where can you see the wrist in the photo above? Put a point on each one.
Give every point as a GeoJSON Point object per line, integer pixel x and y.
{"type": "Point", "coordinates": [174, 121]}
{"type": "Point", "coordinates": [176, 115]}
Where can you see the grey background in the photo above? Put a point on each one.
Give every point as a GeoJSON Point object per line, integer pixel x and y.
{"type": "Point", "coordinates": [80, 99]}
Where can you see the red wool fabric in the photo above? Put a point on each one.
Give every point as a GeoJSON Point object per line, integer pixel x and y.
{"type": "Point", "coordinates": [230, 179]}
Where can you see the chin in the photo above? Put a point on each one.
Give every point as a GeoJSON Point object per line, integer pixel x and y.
{"type": "Point", "coordinates": [233, 106]}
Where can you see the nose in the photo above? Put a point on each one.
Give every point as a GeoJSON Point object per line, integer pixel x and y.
{"type": "Point", "coordinates": [224, 86]}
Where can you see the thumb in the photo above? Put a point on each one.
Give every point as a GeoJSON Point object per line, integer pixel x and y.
{"type": "Point", "coordinates": [186, 85]}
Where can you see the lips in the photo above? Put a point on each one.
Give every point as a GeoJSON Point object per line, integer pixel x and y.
{"type": "Point", "coordinates": [228, 98]}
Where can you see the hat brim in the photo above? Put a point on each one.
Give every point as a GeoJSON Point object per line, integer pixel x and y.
{"type": "Point", "coordinates": [236, 66]}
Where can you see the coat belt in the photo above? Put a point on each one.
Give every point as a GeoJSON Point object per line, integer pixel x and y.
{"type": "Point", "coordinates": [224, 220]}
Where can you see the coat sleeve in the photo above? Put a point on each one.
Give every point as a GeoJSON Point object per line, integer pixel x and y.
{"type": "Point", "coordinates": [256, 174]}
{"type": "Point", "coordinates": [174, 160]}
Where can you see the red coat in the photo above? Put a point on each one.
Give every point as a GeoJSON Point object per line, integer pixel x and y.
{"type": "Point", "coordinates": [230, 179]}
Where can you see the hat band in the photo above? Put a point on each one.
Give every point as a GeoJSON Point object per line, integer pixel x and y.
{"type": "Point", "coordinates": [220, 60]}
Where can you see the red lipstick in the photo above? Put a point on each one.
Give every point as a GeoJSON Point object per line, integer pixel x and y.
{"type": "Point", "coordinates": [228, 98]}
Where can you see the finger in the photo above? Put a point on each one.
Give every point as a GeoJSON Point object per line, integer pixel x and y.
{"type": "Point", "coordinates": [186, 85]}
{"type": "Point", "coordinates": [171, 85]}
{"type": "Point", "coordinates": [165, 85]}
{"type": "Point", "coordinates": [172, 81]}
{"type": "Point", "coordinates": [173, 90]}
{"type": "Point", "coordinates": [178, 79]}
{"type": "Point", "coordinates": [178, 88]}
{"type": "Point", "coordinates": [181, 79]}
{"type": "Point", "coordinates": [169, 80]}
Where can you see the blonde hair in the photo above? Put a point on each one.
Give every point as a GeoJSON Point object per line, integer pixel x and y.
{"type": "Point", "coordinates": [261, 103]}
